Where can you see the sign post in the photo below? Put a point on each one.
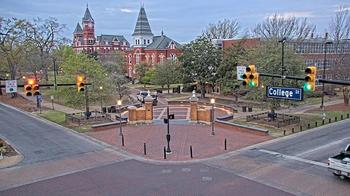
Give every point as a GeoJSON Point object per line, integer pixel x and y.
{"type": "Point", "coordinates": [11, 86]}
{"type": "Point", "coordinates": [296, 94]}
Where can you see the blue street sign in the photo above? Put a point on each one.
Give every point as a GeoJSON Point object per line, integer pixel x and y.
{"type": "Point", "coordinates": [296, 94]}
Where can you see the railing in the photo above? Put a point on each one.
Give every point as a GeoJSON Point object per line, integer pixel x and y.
{"type": "Point", "coordinates": [274, 119]}
{"type": "Point", "coordinates": [95, 116]}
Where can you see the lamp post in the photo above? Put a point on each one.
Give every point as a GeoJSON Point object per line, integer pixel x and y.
{"type": "Point", "coordinates": [101, 88]}
{"type": "Point", "coordinates": [119, 103]}
{"type": "Point", "coordinates": [283, 40]}
{"type": "Point", "coordinates": [168, 131]}
{"type": "Point", "coordinates": [212, 101]}
{"type": "Point", "coordinates": [324, 70]}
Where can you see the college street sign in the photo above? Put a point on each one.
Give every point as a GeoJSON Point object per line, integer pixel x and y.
{"type": "Point", "coordinates": [295, 94]}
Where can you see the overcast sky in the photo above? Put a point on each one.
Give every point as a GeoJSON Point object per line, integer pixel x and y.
{"type": "Point", "coordinates": [181, 20]}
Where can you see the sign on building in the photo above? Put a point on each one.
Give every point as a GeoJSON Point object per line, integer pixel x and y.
{"type": "Point", "coordinates": [295, 94]}
{"type": "Point", "coordinates": [11, 86]}
{"type": "Point", "coordinates": [240, 72]}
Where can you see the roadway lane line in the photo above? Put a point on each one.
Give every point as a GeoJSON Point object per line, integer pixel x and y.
{"type": "Point", "coordinates": [295, 158]}
{"type": "Point", "coordinates": [324, 146]}
{"type": "Point", "coordinates": [161, 114]}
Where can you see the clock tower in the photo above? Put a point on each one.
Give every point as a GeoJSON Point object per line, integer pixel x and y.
{"type": "Point", "coordinates": [88, 29]}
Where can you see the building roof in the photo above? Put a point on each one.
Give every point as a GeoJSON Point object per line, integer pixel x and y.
{"type": "Point", "coordinates": [111, 38]}
{"type": "Point", "coordinates": [78, 29]}
{"type": "Point", "coordinates": [87, 15]}
{"type": "Point", "coordinates": [142, 26]}
{"type": "Point", "coordinates": [161, 42]}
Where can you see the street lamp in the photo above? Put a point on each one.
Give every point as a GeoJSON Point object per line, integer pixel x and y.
{"type": "Point", "coordinates": [324, 70]}
{"type": "Point", "coordinates": [101, 88]}
{"type": "Point", "coordinates": [212, 101]}
{"type": "Point", "coordinates": [119, 103]}
{"type": "Point", "coordinates": [168, 150]}
{"type": "Point", "coordinates": [283, 40]}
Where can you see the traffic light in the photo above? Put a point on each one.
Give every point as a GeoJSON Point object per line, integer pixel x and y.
{"type": "Point", "coordinates": [36, 91]}
{"type": "Point", "coordinates": [251, 77]}
{"type": "Point", "coordinates": [81, 83]}
{"type": "Point", "coordinates": [28, 88]}
{"type": "Point", "coordinates": [310, 78]}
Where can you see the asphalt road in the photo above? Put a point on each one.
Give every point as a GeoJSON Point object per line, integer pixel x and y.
{"type": "Point", "coordinates": [316, 145]}
{"type": "Point", "coordinates": [137, 178]}
{"type": "Point", "coordinates": [38, 140]}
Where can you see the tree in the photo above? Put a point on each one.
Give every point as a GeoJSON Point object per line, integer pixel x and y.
{"type": "Point", "coordinates": [236, 55]}
{"type": "Point", "coordinates": [44, 34]}
{"type": "Point", "coordinates": [140, 70]}
{"type": "Point", "coordinates": [200, 60]}
{"type": "Point", "coordinates": [222, 29]}
{"type": "Point", "coordinates": [148, 78]}
{"type": "Point", "coordinates": [340, 34]}
{"type": "Point", "coordinates": [167, 73]}
{"type": "Point", "coordinates": [73, 64]}
{"type": "Point", "coordinates": [267, 58]}
{"type": "Point", "coordinates": [12, 36]}
{"type": "Point", "coordinates": [277, 27]}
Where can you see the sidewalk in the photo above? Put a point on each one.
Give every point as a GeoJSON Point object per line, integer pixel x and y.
{"type": "Point", "coordinates": [48, 104]}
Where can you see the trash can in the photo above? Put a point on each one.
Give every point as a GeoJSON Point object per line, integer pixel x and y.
{"type": "Point", "coordinates": [250, 109]}
{"type": "Point", "coordinates": [104, 110]}
{"type": "Point", "coordinates": [109, 109]}
{"type": "Point", "coordinates": [244, 108]}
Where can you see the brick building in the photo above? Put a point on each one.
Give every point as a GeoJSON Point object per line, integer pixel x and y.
{"type": "Point", "coordinates": [310, 50]}
{"type": "Point", "coordinates": [84, 39]}
{"type": "Point", "coordinates": [147, 48]}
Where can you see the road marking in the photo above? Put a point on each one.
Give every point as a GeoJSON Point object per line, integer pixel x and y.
{"type": "Point", "coordinates": [167, 171]}
{"type": "Point", "coordinates": [188, 113]}
{"type": "Point", "coordinates": [324, 146]}
{"type": "Point", "coordinates": [186, 169]}
{"type": "Point", "coordinates": [206, 179]}
{"type": "Point", "coordinates": [294, 158]}
{"type": "Point", "coordinates": [161, 113]}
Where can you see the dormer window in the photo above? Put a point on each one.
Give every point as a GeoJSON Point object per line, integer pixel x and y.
{"type": "Point", "coordinates": [172, 45]}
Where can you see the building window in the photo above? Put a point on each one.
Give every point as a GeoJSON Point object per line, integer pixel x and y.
{"type": "Point", "coordinates": [137, 58]}
{"type": "Point", "coordinates": [129, 59]}
{"type": "Point", "coordinates": [161, 57]}
{"type": "Point", "coordinates": [173, 57]}
{"type": "Point", "coordinates": [148, 41]}
{"type": "Point", "coordinates": [144, 42]}
{"type": "Point", "coordinates": [153, 59]}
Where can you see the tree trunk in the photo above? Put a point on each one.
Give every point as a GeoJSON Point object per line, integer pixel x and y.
{"type": "Point", "coordinates": [346, 95]}
{"type": "Point", "coordinates": [169, 88]}
{"type": "Point", "coordinates": [202, 84]}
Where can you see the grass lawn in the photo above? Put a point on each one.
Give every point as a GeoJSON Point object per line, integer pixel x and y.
{"type": "Point", "coordinates": [59, 118]}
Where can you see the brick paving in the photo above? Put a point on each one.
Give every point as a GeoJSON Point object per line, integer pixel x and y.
{"type": "Point", "coordinates": [17, 176]}
{"type": "Point", "coordinates": [182, 137]}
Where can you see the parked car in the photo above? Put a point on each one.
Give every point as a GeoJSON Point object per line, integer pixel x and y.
{"type": "Point", "coordinates": [143, 94]}
{"type": "Point", "coordinates": [339, 164]}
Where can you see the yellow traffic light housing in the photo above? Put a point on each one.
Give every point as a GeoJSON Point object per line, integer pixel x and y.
{"type": "Point", "coordinates": [310, 78]}
{"type": "Point", "coordinates": [81, 83]}
{"type": "Point", "coordinates": [28, 88]}
{"type": "Point", "coordinates": [36, 90]}
{"type": "Point", "coordinates": [251, 77]}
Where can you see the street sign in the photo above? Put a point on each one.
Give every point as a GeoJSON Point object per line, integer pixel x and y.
{"type": "Point", "coordinates": [240, 72]}
{"type": "Point", "coordinates": [11, 86]}
{"type": "Point", "coordinates": [296, 94]}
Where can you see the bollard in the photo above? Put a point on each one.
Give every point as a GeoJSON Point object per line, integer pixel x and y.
{"type": "Point", "coordinates": [164, 151]}
{"type": "Point", "coordinates": [144, 149]}
{"type": "Point", "coordinates": [329, 120]}
{"type": "Point", "coordinates": [284, 132]}
{"type": "Point", "coordinates": [308, 125]}
{"type": "Point", "coordinates": [341, 117]}
{"type": "Point", "coordinates": [293, 130]}
{"type": "Point", "coordinates": [225, 144]}
{"type": "Point", "coordinates": [191, 152]}
{"type": "Point", "coordinates": [316, 124]}
{"type": "Point", "coordinates": [335, 119]}
{"type": "Point", "coordinates": [323, 122]}
{"type": "Point", "coordinates": [301, 128]}
{"type": "Point", "coordinates": [347, 115]}
{"type": "Point", "coordinates": [122, 139]}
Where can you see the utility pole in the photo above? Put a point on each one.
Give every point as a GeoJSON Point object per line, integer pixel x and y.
{"type": "Point", "coordinates": [324, 67]}
{"type": "Point", "coordinates": [283, 40]}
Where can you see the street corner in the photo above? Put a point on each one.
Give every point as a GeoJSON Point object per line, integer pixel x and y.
{"type": "Point", "coordinates": [186, 142]}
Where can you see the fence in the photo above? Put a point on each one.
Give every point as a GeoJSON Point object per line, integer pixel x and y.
{"type": "Point", "coordinates": [95, 116]}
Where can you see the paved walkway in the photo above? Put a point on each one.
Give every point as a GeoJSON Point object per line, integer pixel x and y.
{"type": "Point", "coordinates": [182, 137]}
